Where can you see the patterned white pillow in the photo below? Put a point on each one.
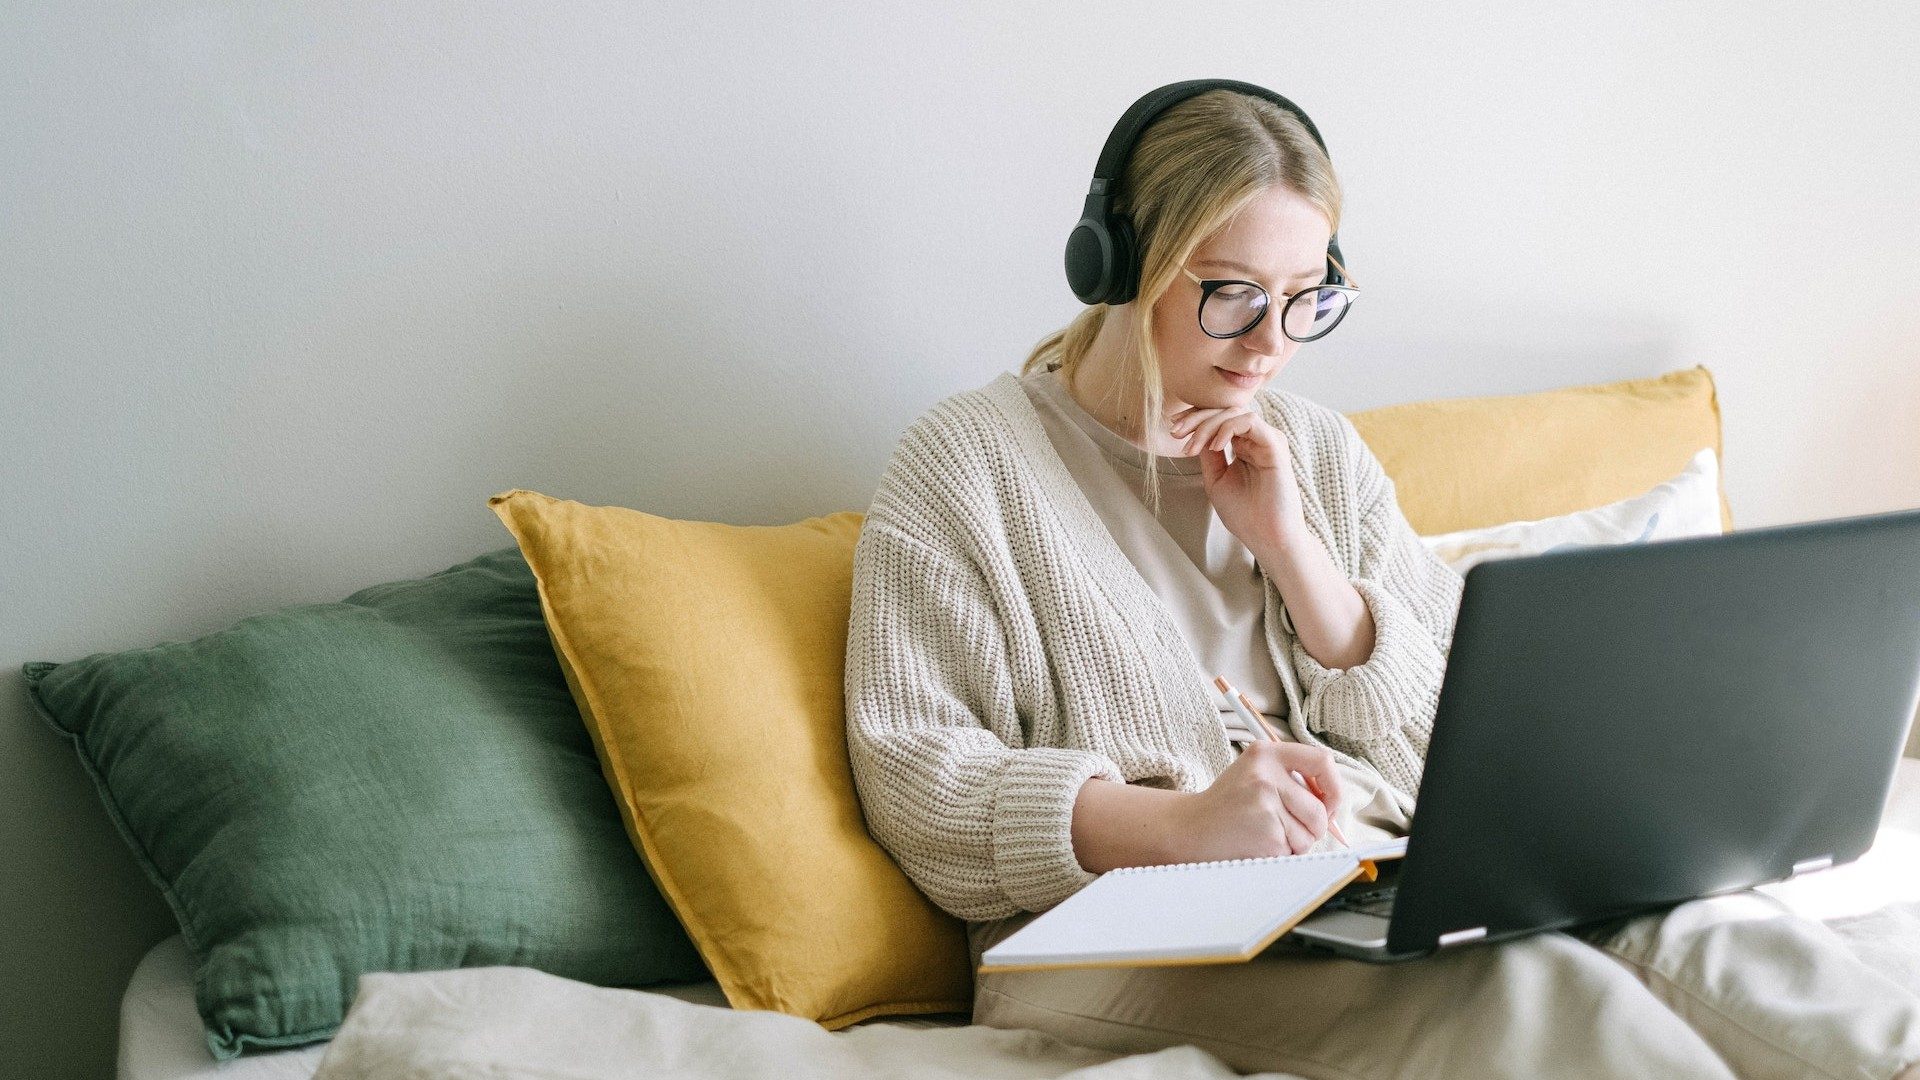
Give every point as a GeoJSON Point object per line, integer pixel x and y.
{"type": "Point", "coordinates": [1687, 505]}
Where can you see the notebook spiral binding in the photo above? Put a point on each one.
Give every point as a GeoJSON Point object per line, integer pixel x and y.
{"type": "Point", "coordinates": [1320, 856]}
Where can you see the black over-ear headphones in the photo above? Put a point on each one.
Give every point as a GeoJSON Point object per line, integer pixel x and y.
{"type": "Point", "coordinates": [1103, 262]}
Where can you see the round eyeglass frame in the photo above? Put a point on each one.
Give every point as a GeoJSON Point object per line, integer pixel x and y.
{"type": "Point", "coordinates": [1208, 285]}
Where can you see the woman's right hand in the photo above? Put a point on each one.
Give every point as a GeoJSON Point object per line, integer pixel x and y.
{"type": "Point", "coordinates": [1256, 808]}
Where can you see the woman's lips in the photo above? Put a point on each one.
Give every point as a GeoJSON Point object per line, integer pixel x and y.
{"type": "Point", "coordinates": [1238, 379]}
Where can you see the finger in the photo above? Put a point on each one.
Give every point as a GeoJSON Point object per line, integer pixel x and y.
{"type": "Point", "coordinates": [1299, 838]}
{"type": "Point", "coordinates": [1328, 777]}
{"type": "Point", "coordinates": [1196, 442]}
{"type": "Point", "coordinates": [1305, 806]}
{"type": "Point", "coordinates": [1228, 430]}
{"type": "Point", "coordinates": [1212, 467]}
{"type": "Point", "coordinates": [1206, 432]}
{"type": "Point", "coordinates": [1260, 444]}
{"type": "Point", "coordinates": [1331, 786]}
{"type": "Point", "coordinates": [1321, 779]}
{"type": "Point", "coordinates": [1189, 425]}
{"type": "Point", "coordinates": [1183, 421]}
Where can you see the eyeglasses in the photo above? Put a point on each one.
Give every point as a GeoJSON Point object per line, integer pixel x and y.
{"type": "Point", "coordinates": [1230, 307]}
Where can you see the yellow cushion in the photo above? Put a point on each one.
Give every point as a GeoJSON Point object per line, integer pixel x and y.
{"type": "Point", "coordinates": [1467, 463]}
{"type": "Point", "coordinates": [708, 662]}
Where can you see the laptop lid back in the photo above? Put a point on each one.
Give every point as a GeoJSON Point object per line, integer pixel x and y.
{"type": "Point", "coordinates": [1627, 726]}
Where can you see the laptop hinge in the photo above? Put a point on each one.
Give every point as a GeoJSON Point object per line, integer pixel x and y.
{"type": "Point", "coordinates": [1809, 865]}
{"type": "Point", "coordinates": [1459, 936]}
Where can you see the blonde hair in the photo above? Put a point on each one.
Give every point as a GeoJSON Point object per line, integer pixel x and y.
{"type": "Point", "coordinates": [1192, 170]}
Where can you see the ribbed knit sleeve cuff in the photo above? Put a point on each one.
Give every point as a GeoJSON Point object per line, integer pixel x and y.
{"type": "Point", "coordinates": [1033, 823]}
{"type": "Point", "coordinates": [1397, 687]}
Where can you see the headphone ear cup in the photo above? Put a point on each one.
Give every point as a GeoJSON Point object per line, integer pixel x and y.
{"type": "Point", "coordinates": [1334, 276]}
{"type": "Point", "coordinates": [1090, 263]}
{"type": "Point", "coordinates": [1126, 260]}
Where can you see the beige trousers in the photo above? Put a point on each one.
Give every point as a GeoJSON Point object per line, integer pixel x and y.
{"type": "Point", "coordinates": [1737, 985]}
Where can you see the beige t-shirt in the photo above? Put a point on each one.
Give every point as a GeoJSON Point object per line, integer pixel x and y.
{"type": "Point", "coordinates": [1203, 573]}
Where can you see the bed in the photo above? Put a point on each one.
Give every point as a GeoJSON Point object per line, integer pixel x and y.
{"type": "Point", "coordinates": [1874, 903]}
{"type": "Point", "coordinates": [161, 1036]}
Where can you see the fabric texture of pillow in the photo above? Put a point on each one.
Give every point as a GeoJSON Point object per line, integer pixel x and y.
{"type": "Point", "coordinates": [1687, 505]}
{"type": "Point", "coordinates": [398, 781]}
{"type": "Point", "coordinates": [1467, 463]}
{"type": "Point", "coordinates": [709, 661]}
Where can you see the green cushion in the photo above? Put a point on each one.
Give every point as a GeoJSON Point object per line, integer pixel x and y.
{"type": "Point", "coordinates": [396, 782]}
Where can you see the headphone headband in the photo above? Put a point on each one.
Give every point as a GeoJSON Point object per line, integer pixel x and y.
{"type": "Point", "coordinates": [1103, 265]}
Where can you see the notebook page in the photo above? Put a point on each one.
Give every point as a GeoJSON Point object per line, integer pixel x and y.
{"type": "Point", "coordinates": [1224, 909]}
{"type": "Point", "coordinates": [1382, 849]}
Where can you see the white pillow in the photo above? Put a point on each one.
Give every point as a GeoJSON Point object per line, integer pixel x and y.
{"type": "Point", "coordinates": [1687, 505]}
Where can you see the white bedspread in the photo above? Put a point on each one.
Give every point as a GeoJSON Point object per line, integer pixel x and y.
{"type": "Point", "coordinates": [502, 1021]}
{"type": "Point", "coordinates": [510, 1021]}
{"type": "Point", "coordinates": [516, 1021]}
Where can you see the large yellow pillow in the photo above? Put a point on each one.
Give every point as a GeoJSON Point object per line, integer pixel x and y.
{"type": "Point", "coordinates": [708, 662]}
{"type": "Point", "coordinates": [1467, 463]}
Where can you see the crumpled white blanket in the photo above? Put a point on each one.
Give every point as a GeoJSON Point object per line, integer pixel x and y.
{"type": "Point", "coordinates": [494, 1022]}
{"type": "Point", "coordinates": [514, 1021]}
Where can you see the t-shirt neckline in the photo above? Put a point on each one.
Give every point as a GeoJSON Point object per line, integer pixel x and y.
{"type": "Point", "coordinates": [1053, 384]}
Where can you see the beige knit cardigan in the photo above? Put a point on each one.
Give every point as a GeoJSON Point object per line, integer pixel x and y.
{"type": "Point", "coordinates": [1002, 649]}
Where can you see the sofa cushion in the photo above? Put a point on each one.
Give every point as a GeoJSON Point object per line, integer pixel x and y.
{"type": "Point", "coordinates": [1466, 463]}
{"type": "Point", "coordinates": [708, 660]}
{"type": "Point", "coordinates": [398, 781]}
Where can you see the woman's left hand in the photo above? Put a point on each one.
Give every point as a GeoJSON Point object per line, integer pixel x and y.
{"type": "Point", "coordinates": [1257, 495]}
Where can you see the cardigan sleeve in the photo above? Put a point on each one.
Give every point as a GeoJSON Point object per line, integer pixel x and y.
{"type": "Point", "coordinates": [981, 823]}
{"type": "Point", "coordinates": [1382, 709]}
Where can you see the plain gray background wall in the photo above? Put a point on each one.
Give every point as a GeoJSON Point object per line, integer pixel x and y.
{"type": "Point", "coordinates": [286, 292]}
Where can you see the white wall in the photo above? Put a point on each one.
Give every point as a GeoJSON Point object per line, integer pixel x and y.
{"type": "Point", "coordinates": [287, 291]}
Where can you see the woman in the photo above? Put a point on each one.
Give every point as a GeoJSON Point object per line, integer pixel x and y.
{"type": "Point", "coordinates": [1035, 630]}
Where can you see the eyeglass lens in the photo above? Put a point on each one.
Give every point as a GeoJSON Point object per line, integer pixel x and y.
{"type": "Point", "coordinates": [1232, 309]}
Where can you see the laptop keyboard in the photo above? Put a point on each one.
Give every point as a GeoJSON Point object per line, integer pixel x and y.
{"type": "Point", "coordinates": [1372, 902]}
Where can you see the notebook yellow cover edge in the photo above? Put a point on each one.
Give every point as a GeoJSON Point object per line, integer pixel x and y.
{"type": "Point", "coordinates": [1184, 961]}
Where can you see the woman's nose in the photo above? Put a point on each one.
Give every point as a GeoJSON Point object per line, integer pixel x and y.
{"type": "Point", "coordinates": [1268, 339]}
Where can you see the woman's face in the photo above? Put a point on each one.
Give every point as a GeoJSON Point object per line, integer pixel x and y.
{"type": "Point", "coordinates": [1278, 240]}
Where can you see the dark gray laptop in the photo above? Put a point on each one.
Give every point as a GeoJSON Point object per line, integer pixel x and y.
{"type": "Point", "coordinates": [1622, 728]}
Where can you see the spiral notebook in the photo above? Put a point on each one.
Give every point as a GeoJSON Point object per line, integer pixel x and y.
{"type": "Point", "coordinates": [1218, 912]}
